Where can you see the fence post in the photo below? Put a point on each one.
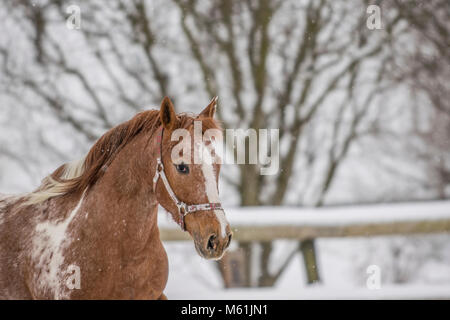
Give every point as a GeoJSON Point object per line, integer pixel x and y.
{"type": "Point", "coordinates": [309, 258]}
{"type": "Point", "coordinates": [235, 266]}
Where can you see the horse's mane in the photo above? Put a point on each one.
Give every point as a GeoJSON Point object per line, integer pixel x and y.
{"type": "Point", "coordinates": [78, 176]}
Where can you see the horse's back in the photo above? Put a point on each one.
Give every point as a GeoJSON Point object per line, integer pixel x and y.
{"type": "Point", "coordinates": [3, 204]}
{"type": "Point", "coordinates": [5, 199]}
{"type": "Point", "coordinates": [12, 239]}
{"type": "Point", "coordinates": [6, 202]}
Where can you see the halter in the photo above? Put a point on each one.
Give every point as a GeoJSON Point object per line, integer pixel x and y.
{"type": "Point", "coordinates": [183, 208]}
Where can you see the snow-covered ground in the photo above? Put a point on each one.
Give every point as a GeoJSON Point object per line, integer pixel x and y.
{"type": "Point", "coordinates": [412, 267]}
{"type": "Point", "coordinates": [321, 292]}
{"type": "Point", "coordinates": [191, 277]}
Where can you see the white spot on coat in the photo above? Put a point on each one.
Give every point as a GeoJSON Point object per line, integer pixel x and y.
{"type": "Point", "coordinates": [49, 242]}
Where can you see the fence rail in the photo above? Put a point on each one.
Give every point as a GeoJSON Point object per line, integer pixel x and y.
{"type": "Point", "coordinates": [266, 224]}
{"type": "Point", "coordinates": [268, 233]}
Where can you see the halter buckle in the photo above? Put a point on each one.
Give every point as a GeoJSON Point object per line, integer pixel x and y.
{"type": "Point", "coordinates": [182, 208]}
{"type": "Point", "coordinates": [159, 165]}
{"type": "Point", "coordinates": [159, 169]}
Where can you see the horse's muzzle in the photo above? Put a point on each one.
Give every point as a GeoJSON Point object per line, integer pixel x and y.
{"type": "Point", "coordinates": [214, 246]}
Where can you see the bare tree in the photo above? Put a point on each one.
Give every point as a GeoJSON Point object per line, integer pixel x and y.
{"type": "Point", "coordinates": [235, 43]}
{"type": "Point", "coordinates": [423, 68]}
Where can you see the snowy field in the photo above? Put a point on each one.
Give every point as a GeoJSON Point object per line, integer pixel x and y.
{"type": "Point", "coordinates": [420, 271]}
{"type": "Point", "coordinates": [191, 277]}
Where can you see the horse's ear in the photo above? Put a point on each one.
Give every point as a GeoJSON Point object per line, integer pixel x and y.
{"type": "Point", "coordinates": [167, 114]}
{"type": "Point", "coordinates": [210, 110]}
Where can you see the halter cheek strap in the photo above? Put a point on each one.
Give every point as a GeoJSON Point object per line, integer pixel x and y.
{"type": "Point", "coordinates": [183, 208]}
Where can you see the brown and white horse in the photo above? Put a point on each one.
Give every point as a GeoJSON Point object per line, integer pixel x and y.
{"type": "Point", "coordinates": [100, 215]}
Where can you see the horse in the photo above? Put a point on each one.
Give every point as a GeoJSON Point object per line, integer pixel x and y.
{"type": "Point", "coordinates": [98, 215]}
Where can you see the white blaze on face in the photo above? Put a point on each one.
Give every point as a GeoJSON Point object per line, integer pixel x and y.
{"type": "Point", "coordinates": [211, 186]}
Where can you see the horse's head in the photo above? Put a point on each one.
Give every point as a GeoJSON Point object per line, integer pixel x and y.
{"type": "Point", "coordinates": [186, 184]}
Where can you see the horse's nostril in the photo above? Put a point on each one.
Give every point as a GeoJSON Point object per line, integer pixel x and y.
{"type": "Point", "coordinates": [229, 240]}
{"type": "Point", "coordinates": [212, 243]}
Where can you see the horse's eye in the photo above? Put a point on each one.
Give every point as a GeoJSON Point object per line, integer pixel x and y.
{"type": "Point", "coordinates": [182, 168]}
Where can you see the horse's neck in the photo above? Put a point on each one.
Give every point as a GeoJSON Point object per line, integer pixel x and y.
{"type": "Point", "coordinates": [132, 221]}
{"type": "Point", "coordinates": [124, 198]}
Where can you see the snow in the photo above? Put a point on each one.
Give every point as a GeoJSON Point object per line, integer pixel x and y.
{"type": "Point", "coordinates": [388, 163]}
{"type": "Point", "coordinates": [191, 277]}
{"type": "Point", "coordinates": [421, 271]}
{"type": "Point", "coordinates": [319, 292]}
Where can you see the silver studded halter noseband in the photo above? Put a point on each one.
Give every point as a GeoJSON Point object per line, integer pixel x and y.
{"type": "Point", "coordinates": [183, 208]}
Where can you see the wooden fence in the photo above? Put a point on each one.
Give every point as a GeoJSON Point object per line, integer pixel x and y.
{"type": "Point", "coordinates": [265, 224]}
